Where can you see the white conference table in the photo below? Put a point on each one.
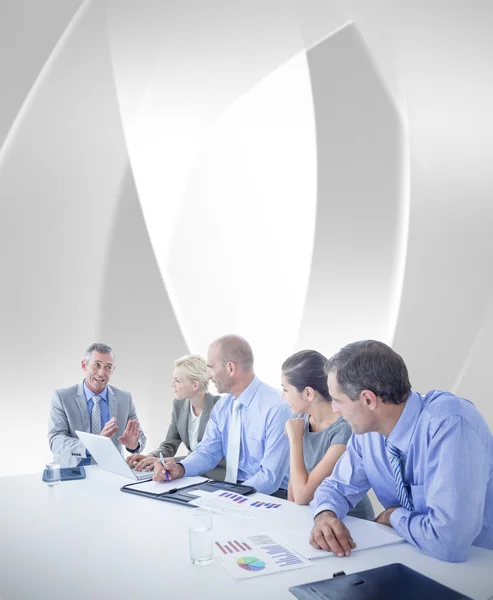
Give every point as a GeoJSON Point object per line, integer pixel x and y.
{"type": "Point", "coordinates": [88, 540]}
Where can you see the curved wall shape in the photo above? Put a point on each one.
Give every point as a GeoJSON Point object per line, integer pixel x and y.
{"type": "Point", "coordinates": [136, 316]}
{"type": "Point", "coordinates": [61, 180]}
{"type": "Point", "coordinates": [247, 222]}
{"type": "Point", "coordinates": [447, 289]}
{"type": "Point", "coordinates": [26, 47]}
{"type": "Point", "coordinates": [211, 116]}
{"type": "Point", "coordinates": [354, 271]}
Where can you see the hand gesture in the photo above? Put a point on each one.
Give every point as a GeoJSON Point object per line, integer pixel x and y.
{"type": "Point", "coordinates": [329, 533]}
{"type": "Point", "coordinates": [130, 437]}
{"type": "Point", "coordinates": [294, 428]}
{"type": "Point", "coordinates": [110, 428]}
{"type": "Point", "coordinates": [174, 470]}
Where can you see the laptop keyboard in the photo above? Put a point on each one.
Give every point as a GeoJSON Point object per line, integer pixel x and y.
{"type": "Point", "coordinates": [142, 474]}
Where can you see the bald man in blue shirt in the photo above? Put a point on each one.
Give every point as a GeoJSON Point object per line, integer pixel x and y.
{"type": "Point", "coordinates": [429, 459]}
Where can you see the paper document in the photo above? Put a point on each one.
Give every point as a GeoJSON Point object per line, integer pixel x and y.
{"type": "Point", "coordinates": [366, 534]}
{"type": "Point", "coordinates": [228, 503]}
{"type": "Point", "coordinates": [156, 487]}
{"type": "Point", "coordinates": [255, 555]}
{"type": "Point", "coordinates": [224, 506]}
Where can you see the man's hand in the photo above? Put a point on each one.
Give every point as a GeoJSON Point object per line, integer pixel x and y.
{"type": "Point", "coordinates": [110, 428]}
{"type": "Point", "coordinates": [294, 428]}
{"type": "Point", "coordinates": [141, 462]}
{"type": "Point", "coordinates": [130, 437]}
{"type": "Point", "coordinates": [147, 464]}
{"type": "Point", "coordinates": [329, 533]}
{"type": "Point", "coordinates": [174, 470]}
{"type": "Point", "coordinates": [384, 517]}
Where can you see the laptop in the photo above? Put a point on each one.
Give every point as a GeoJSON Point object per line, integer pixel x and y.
{"type": "Point", "coordinates": [106, 454]}
{"type": "Point", "coordinates": [391, 582]}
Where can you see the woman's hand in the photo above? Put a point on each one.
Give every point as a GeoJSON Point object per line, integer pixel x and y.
{"type": "Point", "coordinates": [294, 428]}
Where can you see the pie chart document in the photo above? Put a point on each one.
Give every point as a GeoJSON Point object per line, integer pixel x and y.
{"type": "Point", "coordinates": [255, 555]}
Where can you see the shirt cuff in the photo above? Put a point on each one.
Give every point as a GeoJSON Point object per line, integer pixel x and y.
{"type": "Point", "coordinates": [395, 518]}
{"type": "Point", "coordinates": [339, 514]}
{"type": "Point", "coordinates": [133, 451]}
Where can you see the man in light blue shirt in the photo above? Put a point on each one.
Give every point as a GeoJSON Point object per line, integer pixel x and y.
{"type": "Point", "coordinates": [428, 458]}
{"type": "Point", "coordinates": [262, 449]}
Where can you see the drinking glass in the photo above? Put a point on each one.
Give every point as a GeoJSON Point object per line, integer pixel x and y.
{"type": "Point", "coordinates": [53, 473]}
{"type": "Point", "coordinates": [200, 534]}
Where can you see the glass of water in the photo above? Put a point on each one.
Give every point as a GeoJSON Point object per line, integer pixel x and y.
{"type": "Point", "coordinates": [200, 534]}
{"type": "Point", "coordinates": [53, 473]}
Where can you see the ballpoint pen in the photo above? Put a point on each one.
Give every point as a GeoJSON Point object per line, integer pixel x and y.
{"type": "Point", "coordinates": [161, 458]}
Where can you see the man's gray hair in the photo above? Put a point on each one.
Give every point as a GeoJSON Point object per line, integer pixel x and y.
{"type": "Point", "coordinates": [233, 348]}
{"type": "Point", "coordinates": [98, 347]}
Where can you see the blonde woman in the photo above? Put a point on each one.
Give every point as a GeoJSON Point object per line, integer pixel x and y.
{"type": "Point", "coordinates": [191, 411]}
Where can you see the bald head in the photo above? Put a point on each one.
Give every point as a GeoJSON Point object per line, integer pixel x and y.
{"type": "Point", "coordinates": [230, 364]}
{"type": "Point", "coordinates": [233, 348]}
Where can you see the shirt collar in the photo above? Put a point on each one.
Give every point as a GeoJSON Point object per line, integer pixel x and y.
{"type": "Point", "coordinates": [247, 395]}
{"type": "Point", "coordinates": [90, 394]}
{"type": "Point", "coordinates": [192, 414]}
{"type": "Point", "coordinates": [403, 430]}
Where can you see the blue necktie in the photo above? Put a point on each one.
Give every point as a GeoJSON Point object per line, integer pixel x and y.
{"type": "Point", "coordinates": [395, 461]}
{"type": "Point", "coordinates": [95, 419]}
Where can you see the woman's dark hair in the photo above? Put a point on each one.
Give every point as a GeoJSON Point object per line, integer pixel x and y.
{"type": "Point", "coordinates": [307, 369]}
{"type": "Point", "coordinates": [371, 365]}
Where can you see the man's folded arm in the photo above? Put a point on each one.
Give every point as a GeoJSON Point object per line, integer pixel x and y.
{"type": "Point", "coordinates": [345, 487]}
{"type": "Point", "coordinates": [455, 491]}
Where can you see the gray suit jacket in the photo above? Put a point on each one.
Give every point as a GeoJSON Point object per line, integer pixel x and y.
{"type": "Point", "coordinates": [178, 429]}
{"type": "Point", "coordinates": [69, 413]}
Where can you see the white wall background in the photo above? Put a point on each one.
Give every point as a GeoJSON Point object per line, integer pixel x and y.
{"type": "Point", "coordinates": [302, 173]}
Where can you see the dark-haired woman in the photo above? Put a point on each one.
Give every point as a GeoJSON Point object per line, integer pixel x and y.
{"type": "Point", "coordinates": [318, 435]}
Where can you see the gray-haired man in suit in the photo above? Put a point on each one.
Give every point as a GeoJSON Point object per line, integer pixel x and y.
{"type": "Point", "coordinates": [95, 407]}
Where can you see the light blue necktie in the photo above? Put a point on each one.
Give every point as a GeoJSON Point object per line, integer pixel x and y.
{"type": "Point", "coordinates": [395, 461]}
{"type": "Point", "coordinates": [234, 442]}
{"type": "Point", "coordinates": [95, 419]}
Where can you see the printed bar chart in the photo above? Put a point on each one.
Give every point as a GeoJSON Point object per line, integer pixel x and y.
{"type": "Point", "coordinates": [234, 497]}
{"type": "Point", "coordinates": [281, 555]}
{"type": "Point", "coordinates": [264, 505]}
{"type": "Point", "coordinates": [232, 546]}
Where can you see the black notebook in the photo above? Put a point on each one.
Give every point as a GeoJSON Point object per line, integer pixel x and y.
{"type": "Point", "coordinates": [185, 495]}
{"type": "Point", "coordinates": [391, 582]}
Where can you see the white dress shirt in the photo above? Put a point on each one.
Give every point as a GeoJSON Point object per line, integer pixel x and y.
{"type": "Point", "coordinates": [193, 428]}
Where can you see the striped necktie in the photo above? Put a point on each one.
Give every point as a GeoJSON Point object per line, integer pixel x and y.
{"type": "Point", "coordinates": [234, 439]}
{"type": "Point", "coordinates": [402, 489]}
{"type": "Point", "coordinates": [95, 419]}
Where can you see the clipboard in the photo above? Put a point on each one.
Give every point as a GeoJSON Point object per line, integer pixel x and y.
{"type": "Point", "coordinates": [385, 583]}
{"type": "Point", "coordinates": [184, 495]}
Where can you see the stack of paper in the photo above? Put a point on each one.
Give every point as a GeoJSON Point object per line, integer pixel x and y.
{"type": "Point", "coordinates": [365, 534]}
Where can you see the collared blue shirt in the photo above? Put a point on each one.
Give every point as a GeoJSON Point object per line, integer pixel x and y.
{"type": "Point", "coordinates": [447, 452]}
{"type": "Point", "coordinates": [103, 404]}
{"type": "Point", "coordinates": [264, 449]}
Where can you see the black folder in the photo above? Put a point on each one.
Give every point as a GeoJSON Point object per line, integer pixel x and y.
{"type": "Point", "coordinates": [185, 495]}
{"type": "Point", "coordinates": [391, 582]}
